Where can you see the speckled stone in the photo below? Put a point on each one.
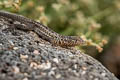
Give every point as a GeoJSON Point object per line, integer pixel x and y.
{"type": "Point", "coordinates": [24, 56]}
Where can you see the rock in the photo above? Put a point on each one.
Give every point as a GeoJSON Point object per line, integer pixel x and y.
{"type": "Point", "coordinates": [25, 56]}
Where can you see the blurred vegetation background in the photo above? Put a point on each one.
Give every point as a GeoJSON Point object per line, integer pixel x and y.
{"type": "Point", "coordinates": [96, 20]}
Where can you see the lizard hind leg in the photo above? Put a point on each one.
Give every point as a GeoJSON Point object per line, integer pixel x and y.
{"type": "Point", "coordinates": [19, 26]}
{"type": "Point", "coordinates": [23, 27]}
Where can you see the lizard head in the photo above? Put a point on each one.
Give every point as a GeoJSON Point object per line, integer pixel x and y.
{"type": "Point", "coordinates": [76, 40]}
{"type": "Point", "coordinates": [70, 41]}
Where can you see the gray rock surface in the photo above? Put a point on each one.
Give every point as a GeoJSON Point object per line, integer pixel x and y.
{"type": "Point", "coordinates": [25, 56]}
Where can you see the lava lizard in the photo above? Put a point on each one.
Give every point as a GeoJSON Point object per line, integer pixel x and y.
{"type": "Point", "coordinates": [43, 31]}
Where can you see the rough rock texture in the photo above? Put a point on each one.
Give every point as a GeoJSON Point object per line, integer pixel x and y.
{"type": "Point", "coordinates": [25, 56]}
